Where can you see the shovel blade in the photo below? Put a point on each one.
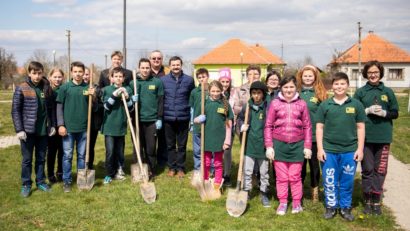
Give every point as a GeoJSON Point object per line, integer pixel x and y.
{"type": "Point", "coordinates": [236, 202]}
{"type": "Point", "coordinates": [148, 192]}
{"type": "Point", "coordinates": [210, 191]}
{"type": "Point", "coordinates": [85, 179]}
{"type": "Point", "coordinates": [137, 175]}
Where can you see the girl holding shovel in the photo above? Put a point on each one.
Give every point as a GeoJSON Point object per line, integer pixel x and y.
{"type": "Point", "coordinates": [218, 116]}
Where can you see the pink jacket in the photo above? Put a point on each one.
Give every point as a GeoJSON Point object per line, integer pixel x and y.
{"type": "Point", "coordinates": [288, 122]}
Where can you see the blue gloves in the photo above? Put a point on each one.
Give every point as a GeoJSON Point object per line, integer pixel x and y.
{"type": "Point", "coordinates": [134, 98]}
{"type": "Point", "coordinates": [200, 119]}
{"type": "Point", "coordinates": [158, 124]}
{"type": "Point", "coordinates": [255, 107]}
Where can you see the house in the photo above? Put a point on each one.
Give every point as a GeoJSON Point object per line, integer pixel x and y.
{"type": "Point", "coordinates": [396, 62]}
{"type": "Point", "coordinates": [237, 55]}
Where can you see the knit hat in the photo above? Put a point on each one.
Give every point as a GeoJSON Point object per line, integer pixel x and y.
{"type": "Point", "coordinates": [225, 73]}
{"type": "Point", "coordinates": [258, 85]}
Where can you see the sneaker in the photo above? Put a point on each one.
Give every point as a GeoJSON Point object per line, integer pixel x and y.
{"type": "Point", "coordinates": [346, 213]}
{"type": "Point", "coordinates": [227, 181]}
{"type": "Point", "coordinates": [282, 209]}
{"type": "Point", "coordinates": [120, 172]}
{"type": "Point", "coordinates": [171, 173]}
{"type": "Point", "coordinates": [181, 174]}
{"type": "Point", "coordinates": [67, 187]}
{"type": "Point", "coordinates": [52, 179]}
{"type": "Point", "coordinates": [377, 209]}
{"type": "Point", "coordinates": [43, 187]}
{"type": "Point", "coordinates": [118, 176]}
{"type": "Point", "coordinates": [107, 180]}
{"type": "Point", "coordinates": [25, 190]}
{"type": "Point", "coordinates": [329, 213]}
{"type": "Point", "coordinates": [368, 208]}
{"type": "Point", "coordinates": [265, 200]}
{"type": "Point", "coordinates": [297, 209]}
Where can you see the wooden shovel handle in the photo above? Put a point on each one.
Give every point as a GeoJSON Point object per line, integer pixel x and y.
{"type": "Point", "coordinates": [202, 130]}
{"type": "Point", "coordinates": [137, 126]}
{"type": "Point", "coordinates": [240, 169]}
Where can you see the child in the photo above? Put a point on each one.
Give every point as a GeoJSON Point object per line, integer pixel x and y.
{"type": "Point", "coordinates": [32, 114]}
{"type": "Point", "coordinates": [288, 138]}
{"type": "Point", "coordinates": [255, 151]}
{"type": "Point", "coordinates": [150, 102]}
{"type": "Point", "coordinates": [114, 125]}
{"type": "Point", "coordinates": [218, 116]}
{"type": "Point", "coordinates": [226, 80]}
{"type": "Point", "coordinates": [55, 143]}
{"type": "Point", "coordinates": [72, 110]}
{"type": "Point", "coordinates": [340, 140]}
{"type": "Point", "coordinates": [272, 82]}
{"type": "Point", "coordinates": [313, 92]}
{"type": "Point", "coordinates": [202, 76]}
{"type": "Point", "coordinates": [381, 108]}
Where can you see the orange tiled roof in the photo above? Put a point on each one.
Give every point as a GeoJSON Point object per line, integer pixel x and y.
{"type": "Point", "coordinates": [229, 53]}
{"type": "Point", "coordinates": [374, 48]}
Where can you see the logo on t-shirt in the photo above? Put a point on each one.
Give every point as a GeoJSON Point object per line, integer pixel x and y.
{"type": "Point", "coordinates": [151, 87]}
{"type": "Point", "coordinates": [42, 95]}
{"type": "Point", "coordinates": [350, 110]}
{"type": "Point", "coordinates": [384, 98]}
{"type": "Point", "coordinates": [85, 92]}
{"type": "Point", "coordinates": [261, 116]}
{"type": "Point", "coordinates": [221, 110]}
{"type": "Point", "coordinates": [314, 100]}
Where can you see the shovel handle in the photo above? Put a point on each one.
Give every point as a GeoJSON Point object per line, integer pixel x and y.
{"type": "Point", "coordinates": [202, 131]}
{"type": "Point", "coordinates": [240, 169]}
{"type": "Point", "coordinates": [137, 129]}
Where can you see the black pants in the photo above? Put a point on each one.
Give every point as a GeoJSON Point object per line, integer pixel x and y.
{"type": "Point", "coordinates": [148, 139]}
{"type": "Point", "coordinates": [114, 149]}
{"type": "Point", "coordinates": [314, 168]}
{"type": "Point", "coordinates": [55, 150]}
{"type": "Point", "coordinates": [93, 140]}
{"type": "Point", "coordinates": [162, 154]}
{"type": "Point", "coordinates": [374, 167]}
{"type": "Point", "coordinates": [176, 135]}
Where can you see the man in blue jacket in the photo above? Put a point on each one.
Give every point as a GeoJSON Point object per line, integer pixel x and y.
{"type": "Point", "coordinates": [177, 88]}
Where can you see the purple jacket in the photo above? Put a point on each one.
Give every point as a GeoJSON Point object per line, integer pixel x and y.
{"type": "Point", "coordinates": [288, 122]}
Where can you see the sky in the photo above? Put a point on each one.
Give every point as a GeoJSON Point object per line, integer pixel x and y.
{"type": "Point", "coordinates": [191, 28]}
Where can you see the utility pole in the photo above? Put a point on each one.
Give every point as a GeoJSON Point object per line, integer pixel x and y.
{"type": "Point", "coordinates": [54, 58]}
{"type": "Point", "coordinates": [69, 53]}
{"type": "Point", "coordinates": [124, 47]}
{"type": "Point", "coordinates": [281, 51]}
{"type": "Point", "coordinates": [106, 61]}
{"type": "Point", "coordinates": [359, 74]}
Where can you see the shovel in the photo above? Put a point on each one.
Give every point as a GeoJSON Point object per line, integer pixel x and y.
{"type": "Point", "coordinates": [199, 184]}
{"type": "Point", "coordinates": [137, 173]}
{"type": "Point", "coordinates": [147, 189]}
{"type": "Point", "coordinates": [86, 177]}
{"type": "Point", "coordinates": [237, 199]}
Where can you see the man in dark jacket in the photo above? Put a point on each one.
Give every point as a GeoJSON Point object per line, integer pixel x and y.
{"type": "Point", "coordinates": [116, 61]}
{"type": "Point", "coordinates": [32, 113]}
{"type": "Point", "coordinates": [177, 88]}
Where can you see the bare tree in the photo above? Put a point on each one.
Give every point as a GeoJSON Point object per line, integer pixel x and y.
{"type": "Point", "coordinates": [8, 67]}
{"type": "Point", "coordinates": [42, 57]}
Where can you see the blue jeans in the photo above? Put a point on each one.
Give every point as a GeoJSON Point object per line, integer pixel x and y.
{"type": "Point", "coordinates": [338, 179]}
{"type": "Point", "coordinates": [114, 149]}
{"type": "Point", "coordinates": [39, 143]}
{"type": "Point", "coordinates": [196, 140]}
{"type": "Point", "coordinates": [80, 138]}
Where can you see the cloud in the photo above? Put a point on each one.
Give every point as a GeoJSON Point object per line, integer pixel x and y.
{"type": "Point", "coordinates": [59, 2]}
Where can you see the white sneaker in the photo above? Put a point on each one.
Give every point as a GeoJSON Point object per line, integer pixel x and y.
{"type": "Point", "coordinates": [120, 172]}
{"type": "Point", "coordinates": [118, 176]}
{"type": "Point", "coordinates": [196, 178]}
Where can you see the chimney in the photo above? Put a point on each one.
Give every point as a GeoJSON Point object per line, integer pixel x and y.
{"type": "Point", "coordinates": [371, 32]}
{"type": "Point", "coordinates": [257, 45]}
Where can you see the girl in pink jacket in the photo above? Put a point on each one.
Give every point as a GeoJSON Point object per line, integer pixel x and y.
{"type": "Point", "coordinates": [288, 139]}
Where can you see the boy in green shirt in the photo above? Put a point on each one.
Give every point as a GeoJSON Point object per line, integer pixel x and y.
{"type": "Point", "coordinates": [114, 125]}
{"type": "Point", "coordinates": [255, 148]}
{"type": "Point", "coordinates": [340, 133]}
{"type": "Point", "coordinates": [72, 109]}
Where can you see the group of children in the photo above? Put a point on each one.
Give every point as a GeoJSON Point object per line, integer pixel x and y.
{"type": "Point", "coordinates": [291, 123]}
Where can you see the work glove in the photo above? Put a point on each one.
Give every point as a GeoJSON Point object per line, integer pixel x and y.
{"type": "Point", "coordinates": [22, 135]}
{"type": "Point", "coordinates": [373, 109]}
{"type": "Point", "coordinates": [307, 153]}
{"type": "Point", "coordinates": [270, 153]}
{"type": "Point", "coordinates": [255, 107]}
{"type": "Point", "coordinates": [124, 91]}
{"type": "Point", "coordinates": [134, 98]}
{"type": "Point", "coordinates": [381, 113]}
{"type": "Point", "coordinates": [117, 92]}
{"type": "Point", "coordinates": [158, 124]}
{"type": "Point", "coordinates": [244, 127]}
{"type": "Point", "coordinates": [200, 119]}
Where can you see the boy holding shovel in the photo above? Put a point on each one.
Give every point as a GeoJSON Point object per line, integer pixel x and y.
{"type": "Point", "coordinates": [72, 108]}
{"type": "Point", "coordinates": [114, 125]}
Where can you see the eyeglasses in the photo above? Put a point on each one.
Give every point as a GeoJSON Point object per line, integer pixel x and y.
{"type": "Point", "coordinates": [373, 73]}
{"type": "Point", "coordinates": [156, 58]}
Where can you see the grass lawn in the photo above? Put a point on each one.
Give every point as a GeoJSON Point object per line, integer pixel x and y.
{"type": "Point", "coordinates": [401, 132]}
{"type": "Point", "coordinates": [6, 94]}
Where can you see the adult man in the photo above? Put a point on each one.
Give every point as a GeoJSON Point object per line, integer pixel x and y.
{"type": "Point", "coordinates": [177, 88]}
{"type": "Point", "coordinates": [158, 70]}
{"type": "Point", "coordinates": [116, 61]}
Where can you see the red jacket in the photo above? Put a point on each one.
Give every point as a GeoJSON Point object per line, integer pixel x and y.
{"type": "Point", "coordinates": [288, 122]}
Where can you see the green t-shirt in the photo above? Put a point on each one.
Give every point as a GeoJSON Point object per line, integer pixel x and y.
{"type": "Point", "coordinates": [378, 129]}
{"type": "Point", "coordinates": [215, 124]}
{"type": "Point", "coordinates": [340, 124]}
{"type": "Point", "coordinates": [254, 139]}
{"type": "Point", "coordinates": [115, 120]}
{"type": "Point", "coordinates": [289, 152]}
{"type": "Point", "coordinates": [195, 103]}
{"type": "Point", "coordinates": [308, 95]}
{"type": "Point", "coordinates": [75, 105]}
{"type": "Point", "coordinates": [149, 91]}
{"type": "Point", "coordinates": [41, 120]}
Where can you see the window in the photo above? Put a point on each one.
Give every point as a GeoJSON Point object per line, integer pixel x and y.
{"type": "Point", "coordinates": [354, 74]}
{"type": "Point", "coordinates": [395, 74]}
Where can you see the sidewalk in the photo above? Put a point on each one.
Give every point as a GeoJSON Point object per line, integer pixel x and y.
{"type": "Point", "coordinates": [6, 141]}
